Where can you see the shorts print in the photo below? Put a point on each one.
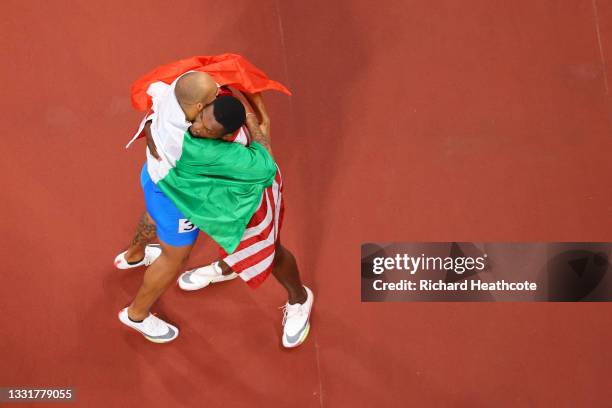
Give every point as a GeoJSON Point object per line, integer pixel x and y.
{"type": "Point", "coordinates": [173, 228]}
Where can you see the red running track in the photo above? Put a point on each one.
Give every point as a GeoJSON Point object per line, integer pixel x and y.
{"type": "Point", "coordinates": [481, 120]}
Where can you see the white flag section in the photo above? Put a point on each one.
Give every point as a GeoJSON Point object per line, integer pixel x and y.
{"type": "Point", "coordinates": [168, 129]}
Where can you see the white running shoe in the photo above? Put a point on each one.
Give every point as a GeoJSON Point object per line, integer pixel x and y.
{"type": "Point", "coordinates": [201, 277]}
{"type": "Point", "coordinates": [296, 321]}
{"type": "Point", "coordinates": [152, 252]}
{"type": "Point", "coordinates": [152, 328]}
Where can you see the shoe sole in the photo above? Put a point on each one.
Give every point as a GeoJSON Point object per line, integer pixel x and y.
{"type": "Point", "coordinates": [190, 289]}
{"type": "Point", "coordinates": [301, 340]}
{"type": "Point", "coordinates": [157, 341]}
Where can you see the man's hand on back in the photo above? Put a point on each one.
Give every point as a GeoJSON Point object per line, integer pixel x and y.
{"type": "Point", "coordinates": [254, 102]}
{"type": "Point", "coordinates": [259, 132]}
{"type": "Point", "coordinates": [150, 142]}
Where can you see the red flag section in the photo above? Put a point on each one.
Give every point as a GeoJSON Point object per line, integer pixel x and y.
{"type": "Point", "coordinates": [226, 69]}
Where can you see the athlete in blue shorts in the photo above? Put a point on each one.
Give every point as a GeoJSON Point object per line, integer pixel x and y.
{"type": "Point", "coordinates": [173, 228]}
{"type": "Point", "coordinates": [176, 235]}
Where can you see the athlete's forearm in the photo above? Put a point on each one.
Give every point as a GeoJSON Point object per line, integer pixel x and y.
{"type": "Point", "coordinates": [256, 101]}
{"type": "Point", "coordinates": [257, 134]}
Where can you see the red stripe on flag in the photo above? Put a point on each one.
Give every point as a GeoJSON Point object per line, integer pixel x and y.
{"type": "Point", "coordinates": [258, 279]}
{"type": "Point", "coordinates": [254, 259]}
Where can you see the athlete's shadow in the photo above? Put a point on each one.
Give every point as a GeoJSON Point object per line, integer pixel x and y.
{"type": "Point", "coordinates": [194, 369]}
{"type": "Point", "coordinates": [213, 342]}
{"type": "Point", "coordinates": [102, 339]}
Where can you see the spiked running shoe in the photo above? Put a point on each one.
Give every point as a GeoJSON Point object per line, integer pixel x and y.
{"type": "Point", "coordinates": [152, 328]}
{"type": "Point", "coordinates": [201, 277]}
{"type": "Point", "coordinates": [296, 324]}
{"type": "Point", "coordinates": [152, 252]}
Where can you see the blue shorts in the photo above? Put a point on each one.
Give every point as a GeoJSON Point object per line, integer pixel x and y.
{"type": "Point", "coordinates": [173, 228]}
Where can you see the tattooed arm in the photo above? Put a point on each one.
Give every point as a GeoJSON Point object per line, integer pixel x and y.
{"type": "Point", "coordinates": [257, 103]}
{"type": "Point", "coordinates": [259, 132]}
{"type": "Point", "coordinates": [259, 127]}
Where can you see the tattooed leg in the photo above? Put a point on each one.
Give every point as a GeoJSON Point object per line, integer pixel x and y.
{"type": "Point", "coordinates": [145, 234]}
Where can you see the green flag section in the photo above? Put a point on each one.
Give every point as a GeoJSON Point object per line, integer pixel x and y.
{"type": "Point", "coordinates": [218, 186]}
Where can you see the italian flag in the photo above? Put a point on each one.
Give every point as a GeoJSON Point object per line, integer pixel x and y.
{"type": "Point", "coordinates": [217, 185]}
{"type": "Point", "coordinates": [226, 69]}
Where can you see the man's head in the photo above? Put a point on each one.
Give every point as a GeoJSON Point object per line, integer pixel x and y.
{"type": "Point", "coordinates": [222, 117]}
{"type": "Point", "coordinates": [194, 91]}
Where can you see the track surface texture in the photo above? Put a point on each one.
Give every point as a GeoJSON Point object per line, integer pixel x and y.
{"type": "Point", "coordinates": [476, 120]}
